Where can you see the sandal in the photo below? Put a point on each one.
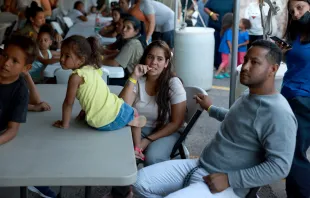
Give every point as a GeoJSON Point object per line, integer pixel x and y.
{"type": "Point", "coordinates": [140, 154]}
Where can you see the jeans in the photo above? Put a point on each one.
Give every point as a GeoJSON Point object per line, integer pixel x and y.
{"type": "Point", "coordinates": [166, 180]}
{"type": "Point", "coordinates": [168, 37]}
{"type": "Point", "coordinates": [125, 115]}
{"type": "Point", "coordinates": [298, 180]}
{"type": "Point", "coordinates": [157, 151]}
{"type": "Point", "coordinates": [217, 54]}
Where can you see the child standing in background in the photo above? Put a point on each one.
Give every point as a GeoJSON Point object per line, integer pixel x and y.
{"type": "Point", "coordinates": [45, 56]}
{"type": "Point", "coordinates": [103, 110]}
{"type": "Point", "coordinates": [243, 40]}
{"type": "Point", "coordinates": [225, 46]}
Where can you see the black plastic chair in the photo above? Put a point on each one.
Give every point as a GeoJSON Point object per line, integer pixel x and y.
{"type": "Point", "coordinates": [193, 112]}
{"type": "Point", "coordinates": [9, 31]}
{"type": "Point", "coordinates": [253, 193]}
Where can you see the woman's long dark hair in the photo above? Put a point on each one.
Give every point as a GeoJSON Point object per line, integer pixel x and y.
{"type": "Point", "coordinates": [295, 29]}
{"type": "Point", "coordinates": [163, 85]}
{"type": "Point", "coordinates": [32, 11]}
{"type": "Point", "coordinates": [227, 22]}
{"type": "Point", "coordinates": [138, 26]}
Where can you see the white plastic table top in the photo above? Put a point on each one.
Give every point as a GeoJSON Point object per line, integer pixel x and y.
{"type": "Point", "coordinates": [43, 155]}
{"type": "Point", "coordinates": [114, 72]}
{"type": "Point", "coordinates": [86, 29]}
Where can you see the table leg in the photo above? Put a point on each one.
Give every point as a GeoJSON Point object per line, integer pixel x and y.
{"type": "Point", "coordinates": [23, 192]}
{"type": "Point", "coordinates": [87, 191]}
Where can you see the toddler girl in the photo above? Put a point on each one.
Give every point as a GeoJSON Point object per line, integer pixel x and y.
{"type": "Point", "coordinates": [243, 40]}
{"type": "Point", "coordinates": [101, 109]}
{"type": "Point", "coordinates": [45, 56]}
{"type": "Point", "coordinates": [225, 46]}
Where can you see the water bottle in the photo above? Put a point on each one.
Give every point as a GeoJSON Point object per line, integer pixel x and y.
{"type": "Point", "coordinates": [97, 24]}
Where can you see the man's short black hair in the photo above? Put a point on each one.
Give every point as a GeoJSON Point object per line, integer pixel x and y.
{"type": "Point", "coordinates": [76, 4]}
{"type": "Point", "coordinates": [274, 55]}
{"type": "Point", "coordinates": [26, 44]}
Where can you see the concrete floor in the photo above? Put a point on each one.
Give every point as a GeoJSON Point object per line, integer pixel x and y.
{"type": "Point", "coordinates": [200, 136]}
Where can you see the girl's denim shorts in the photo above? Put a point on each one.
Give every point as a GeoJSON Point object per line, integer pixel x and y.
{"type": "Point", "coordinates": [125, 115]}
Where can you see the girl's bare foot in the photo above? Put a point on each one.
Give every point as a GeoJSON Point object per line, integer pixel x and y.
{"type": "Point", "coordinates": [138, 121]}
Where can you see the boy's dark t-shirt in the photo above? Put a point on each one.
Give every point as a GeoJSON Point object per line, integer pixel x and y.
{"type": "Point", "coordinates": [13, 102]}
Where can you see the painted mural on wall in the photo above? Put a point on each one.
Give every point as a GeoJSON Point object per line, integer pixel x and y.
{"type": "Point", "coordinates": [279, 21]}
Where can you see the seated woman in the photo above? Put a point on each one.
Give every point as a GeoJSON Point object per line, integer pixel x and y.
{"type": "Point", "coordinates": [131, 51]}
{"type": "Point", "coordinates": [110, 30]}
{"type": "Point", "coordinates": [117, 45]}
{"type": "Point", "coordinates": [18, 7]}
{"type": "Point", "coordinates": [78, 13]}
{"type": "Point", "coordinates": [35, 19]}
{"type": "Point", "coordinates": [160, 96]}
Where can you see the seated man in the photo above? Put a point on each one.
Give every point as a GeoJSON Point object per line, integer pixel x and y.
{"type": "Point", "coordinates": [253, 147]}
{"type": "Point", "coordinates": [78, 13]}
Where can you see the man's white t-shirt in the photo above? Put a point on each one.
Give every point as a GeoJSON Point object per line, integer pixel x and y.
{"type": "Point", "coordinates": [252, 13]}
{"type": "Point", "coordinates": [146, 105]}
{"type": "Point", "coordinates": [74, 14]}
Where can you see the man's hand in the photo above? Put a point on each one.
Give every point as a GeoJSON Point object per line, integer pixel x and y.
{"type": "Point", "coordinates": [204, 101]}
{"type": "Point", "coordinates": [217, 182]}
{"type": "Point", "coordinates": [215, 17]}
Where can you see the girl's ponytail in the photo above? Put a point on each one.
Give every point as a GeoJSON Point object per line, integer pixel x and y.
{"type": "Point", "coordinates": [95, 57]}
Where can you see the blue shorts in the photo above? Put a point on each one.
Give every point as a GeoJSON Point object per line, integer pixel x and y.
{"type": "Point", "coordinates": [125, 115]}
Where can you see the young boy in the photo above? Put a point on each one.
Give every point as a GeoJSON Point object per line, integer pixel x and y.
{"type": "Point", "coordinates": [78, 13]}
{"type": "Point", "coordinates": [16, 58]}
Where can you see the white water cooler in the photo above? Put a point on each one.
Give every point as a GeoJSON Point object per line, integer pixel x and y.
{"type": "Point", "coordinates": [194, 55]}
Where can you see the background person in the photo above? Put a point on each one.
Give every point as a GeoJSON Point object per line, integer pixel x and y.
{"type": "Point", "coordinates": [253, 13]}
{"type": "Point", "coordinates": [132, 47]}
{"type": "Point", "coordinates": [78, 13]}
{"type": "Point", "coordinates": [296, 89]}
{"type": "Point", "coordinates": [216, 10]}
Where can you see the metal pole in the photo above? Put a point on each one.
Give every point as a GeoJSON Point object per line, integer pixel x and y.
{"type": "Point", "coordinates": [234, 53]}
{"type": "Point", "coordinates": [176, 12]}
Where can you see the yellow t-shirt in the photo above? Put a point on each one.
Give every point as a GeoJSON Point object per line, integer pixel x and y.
{"type": "Point", "coordinates": [100, 105]}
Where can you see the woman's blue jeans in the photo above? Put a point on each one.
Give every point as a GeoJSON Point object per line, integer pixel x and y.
{"type": "Point", "coordinates": [298, 180]}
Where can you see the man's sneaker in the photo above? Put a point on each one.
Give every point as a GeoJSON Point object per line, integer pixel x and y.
{"type": "Point", "coordinates": [226, 75]}
{"type": "Point", "coordinates": [43, 191]}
